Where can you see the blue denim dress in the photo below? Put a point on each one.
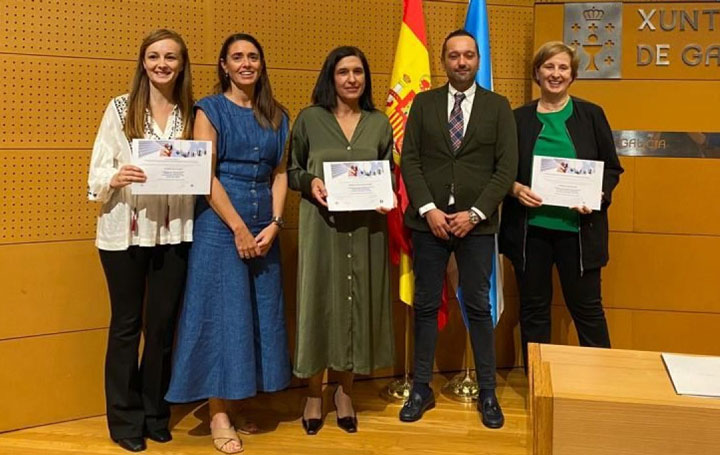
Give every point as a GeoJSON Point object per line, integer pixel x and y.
{"type": "Point", "coordinates": [231, 339]}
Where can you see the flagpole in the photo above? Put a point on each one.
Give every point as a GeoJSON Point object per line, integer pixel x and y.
{"type": "Point", "coordinates": [410, 76]}
{"type": "Point", "coordinates": [463, 386]}
{"type": "Point", "coordinates": [399, 389]}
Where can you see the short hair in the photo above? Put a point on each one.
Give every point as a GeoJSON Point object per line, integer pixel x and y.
{"type": "Point", "coordinates": [324, 93]}
{"type": "Point", "coordinates": [550, 50]}
{"type": "Point", "coordinates": [458, 32]}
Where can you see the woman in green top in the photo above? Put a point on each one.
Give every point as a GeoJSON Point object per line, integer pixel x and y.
{"type": "Point", "coordinates": [344, 318]}
{"type": "Point", "coordinates": [535, 236]}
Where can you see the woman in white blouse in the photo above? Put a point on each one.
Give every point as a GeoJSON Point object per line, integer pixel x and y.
{"type": "Point", "coordinates": [143, 240]}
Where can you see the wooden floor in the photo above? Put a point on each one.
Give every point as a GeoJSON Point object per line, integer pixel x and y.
{"type": "Point", "coordinates": [451, 428]}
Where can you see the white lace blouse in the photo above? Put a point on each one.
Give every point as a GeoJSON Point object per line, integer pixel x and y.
{"type": "Point", "coordinates": [124, 219]}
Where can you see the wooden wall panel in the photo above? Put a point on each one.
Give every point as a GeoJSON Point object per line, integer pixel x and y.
{"type": "Point", "coordinates": [51, 378]}
{"type": "Point", "coordinates": [40, 108]}
{"type": "Point", "coordinates": [517, 91]}
{"type": "Point", "coordinates": [668, 331]}
{"type": "Point", "coordinates": [95, 28]}
{"type": "Point", "coordinates": [44, 196]}
{"type": "Point", "coordinates": [677, 195]}
{"type": "Point", "coordinates": [299, 35]}
{"type": "Point", "coordinates": [659, 272]}
{"type": "Point", "coordinates": [546, 24]}
{"type": "Point", "coordinates": [694, 333]}
{"type": "Point", "coordinates": [621, 211]}
{"type": "Point", "coordinates": [527, 3]}
{"type": "Point", "coordinates": [50, 288]}
{"type": "Point", "coordinates": [655, 105]}
{"type": "Point", "coordinates": [663, 272]}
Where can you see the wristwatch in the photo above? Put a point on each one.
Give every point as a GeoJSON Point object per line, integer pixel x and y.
{"type": "Point", "coordinates": [279, 221]}
{"type": "Point", "coordinates": [474, 217]}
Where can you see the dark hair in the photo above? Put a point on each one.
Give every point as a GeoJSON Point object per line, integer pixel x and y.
{"type": "Point", "coordinates": [324, 93]}
{"type": "Point", "coordinates": [268, 112]}
{"type": "Point", "coordinates": [458, 32]}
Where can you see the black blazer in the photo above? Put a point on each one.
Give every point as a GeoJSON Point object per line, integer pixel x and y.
{"type": "Point", "coordinates": [481, 171]}
{"type": "Point", "coordinates": [592, 137]}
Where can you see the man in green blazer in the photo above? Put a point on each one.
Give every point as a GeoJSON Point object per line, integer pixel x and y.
{"type": "Point", "coordinates": [459, 160]}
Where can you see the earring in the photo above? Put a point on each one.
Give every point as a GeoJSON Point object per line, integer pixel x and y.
{"type": "Point", "coordinates": [227, 75]}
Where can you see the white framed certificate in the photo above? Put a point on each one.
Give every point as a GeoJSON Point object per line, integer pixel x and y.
{"type": "Point", "coordinates": [173, 166]}
{"type": "Point", "coordinates": [567, 182]}
{"type": "Point", "coordinates": [358, 185]}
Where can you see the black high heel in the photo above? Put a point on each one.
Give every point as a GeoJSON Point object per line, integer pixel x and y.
{"type": "Point", "coordinates": [312, 426]}
{"type": "Point", "coordinates": [349, 424]}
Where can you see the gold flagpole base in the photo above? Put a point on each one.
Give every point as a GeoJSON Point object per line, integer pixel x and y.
{"type": "Point", "coordinates": [398, 389]}
{"type": "Point", "coordinates": [462, 387]}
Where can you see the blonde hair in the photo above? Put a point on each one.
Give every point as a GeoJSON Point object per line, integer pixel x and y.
{"type": "Point", "coordinates": [550, 50]}
{"type": "Point", "coordinates": [139, 98]}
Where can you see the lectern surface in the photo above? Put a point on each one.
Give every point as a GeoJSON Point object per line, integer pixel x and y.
{"type": "Point", "coordinates": [607, 401]}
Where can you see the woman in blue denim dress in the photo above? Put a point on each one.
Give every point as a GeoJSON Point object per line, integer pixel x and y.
{"type": "Point", "coordinates": [231, 336]}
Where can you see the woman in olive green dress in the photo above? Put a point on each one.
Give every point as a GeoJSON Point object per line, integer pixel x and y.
{"type": "Point", "coordinates": [344, 315]}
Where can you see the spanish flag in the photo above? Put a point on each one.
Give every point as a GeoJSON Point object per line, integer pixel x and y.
{"type": "Point", "coordinates": [410, 76]}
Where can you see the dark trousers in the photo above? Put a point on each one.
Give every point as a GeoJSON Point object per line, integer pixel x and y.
{"type": "Point", "coordinates": [154, 276]}
{"type": "Point", "coordinates": [581, 290]}
{"type": "Point", "coordinates": [474, 256]}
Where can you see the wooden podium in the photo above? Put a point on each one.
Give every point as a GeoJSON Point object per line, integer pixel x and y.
{"type": "Point", "coordinates": [589, 401]}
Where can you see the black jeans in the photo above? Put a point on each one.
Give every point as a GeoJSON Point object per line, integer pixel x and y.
{"type": "Point", "coordinates": [154, 276]}
{"type": "Point", "coordinates": [474, 256]}
{"type": "Point", "coordinates": [581, 290]}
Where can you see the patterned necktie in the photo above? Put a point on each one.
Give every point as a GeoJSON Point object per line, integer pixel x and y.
{"type": "Point", "coordinates": [455, 124]}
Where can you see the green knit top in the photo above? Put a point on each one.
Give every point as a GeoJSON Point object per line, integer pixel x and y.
{"type": "Point", "coordinates": [554, 140]}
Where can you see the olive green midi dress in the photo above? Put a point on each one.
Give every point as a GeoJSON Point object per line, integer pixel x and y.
{"type": "Point", "coordinates": [344, 314]}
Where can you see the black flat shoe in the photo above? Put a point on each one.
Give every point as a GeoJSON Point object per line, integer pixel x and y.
{"type": "Point", "coordinates": [415, 406]}
{"type": "Point", "coordinates": [348, 423]}
{"type": "Point", "coordinates": [312, 426]}
{"type": "Point", "coordinates": [492, 415]}
{"type": "Point", "coordinates": [131, 444]}
{"type": "Point", "coordinates": [162, 435]}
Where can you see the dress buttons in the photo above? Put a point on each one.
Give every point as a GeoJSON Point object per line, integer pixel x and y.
{"type": "Point", "coordinates": [349, 148]}
{"type": "Point", "coordinates": [349, 255]}
{"type": "Point", "coordinates": [350, 234]}
{"type": "Point", "coordinates": [349, 297]}
{"type": "Point", "coordinates": [256, 148]}
{"type": "Point", "coordinates": [349, 277]}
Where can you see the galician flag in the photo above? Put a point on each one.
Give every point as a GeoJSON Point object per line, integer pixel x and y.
{"type": "Point", "coordinates": [410, 76]}
{"type": "Point", "coordinates": [476, 23]}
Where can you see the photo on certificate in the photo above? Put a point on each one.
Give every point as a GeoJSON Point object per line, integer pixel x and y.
{"type": "Point", "coordinates": [358, 185]}
{"type": "Point", "coordinates": [567, 182]}
{"type": "Point", "coordinates": [173, 166]}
